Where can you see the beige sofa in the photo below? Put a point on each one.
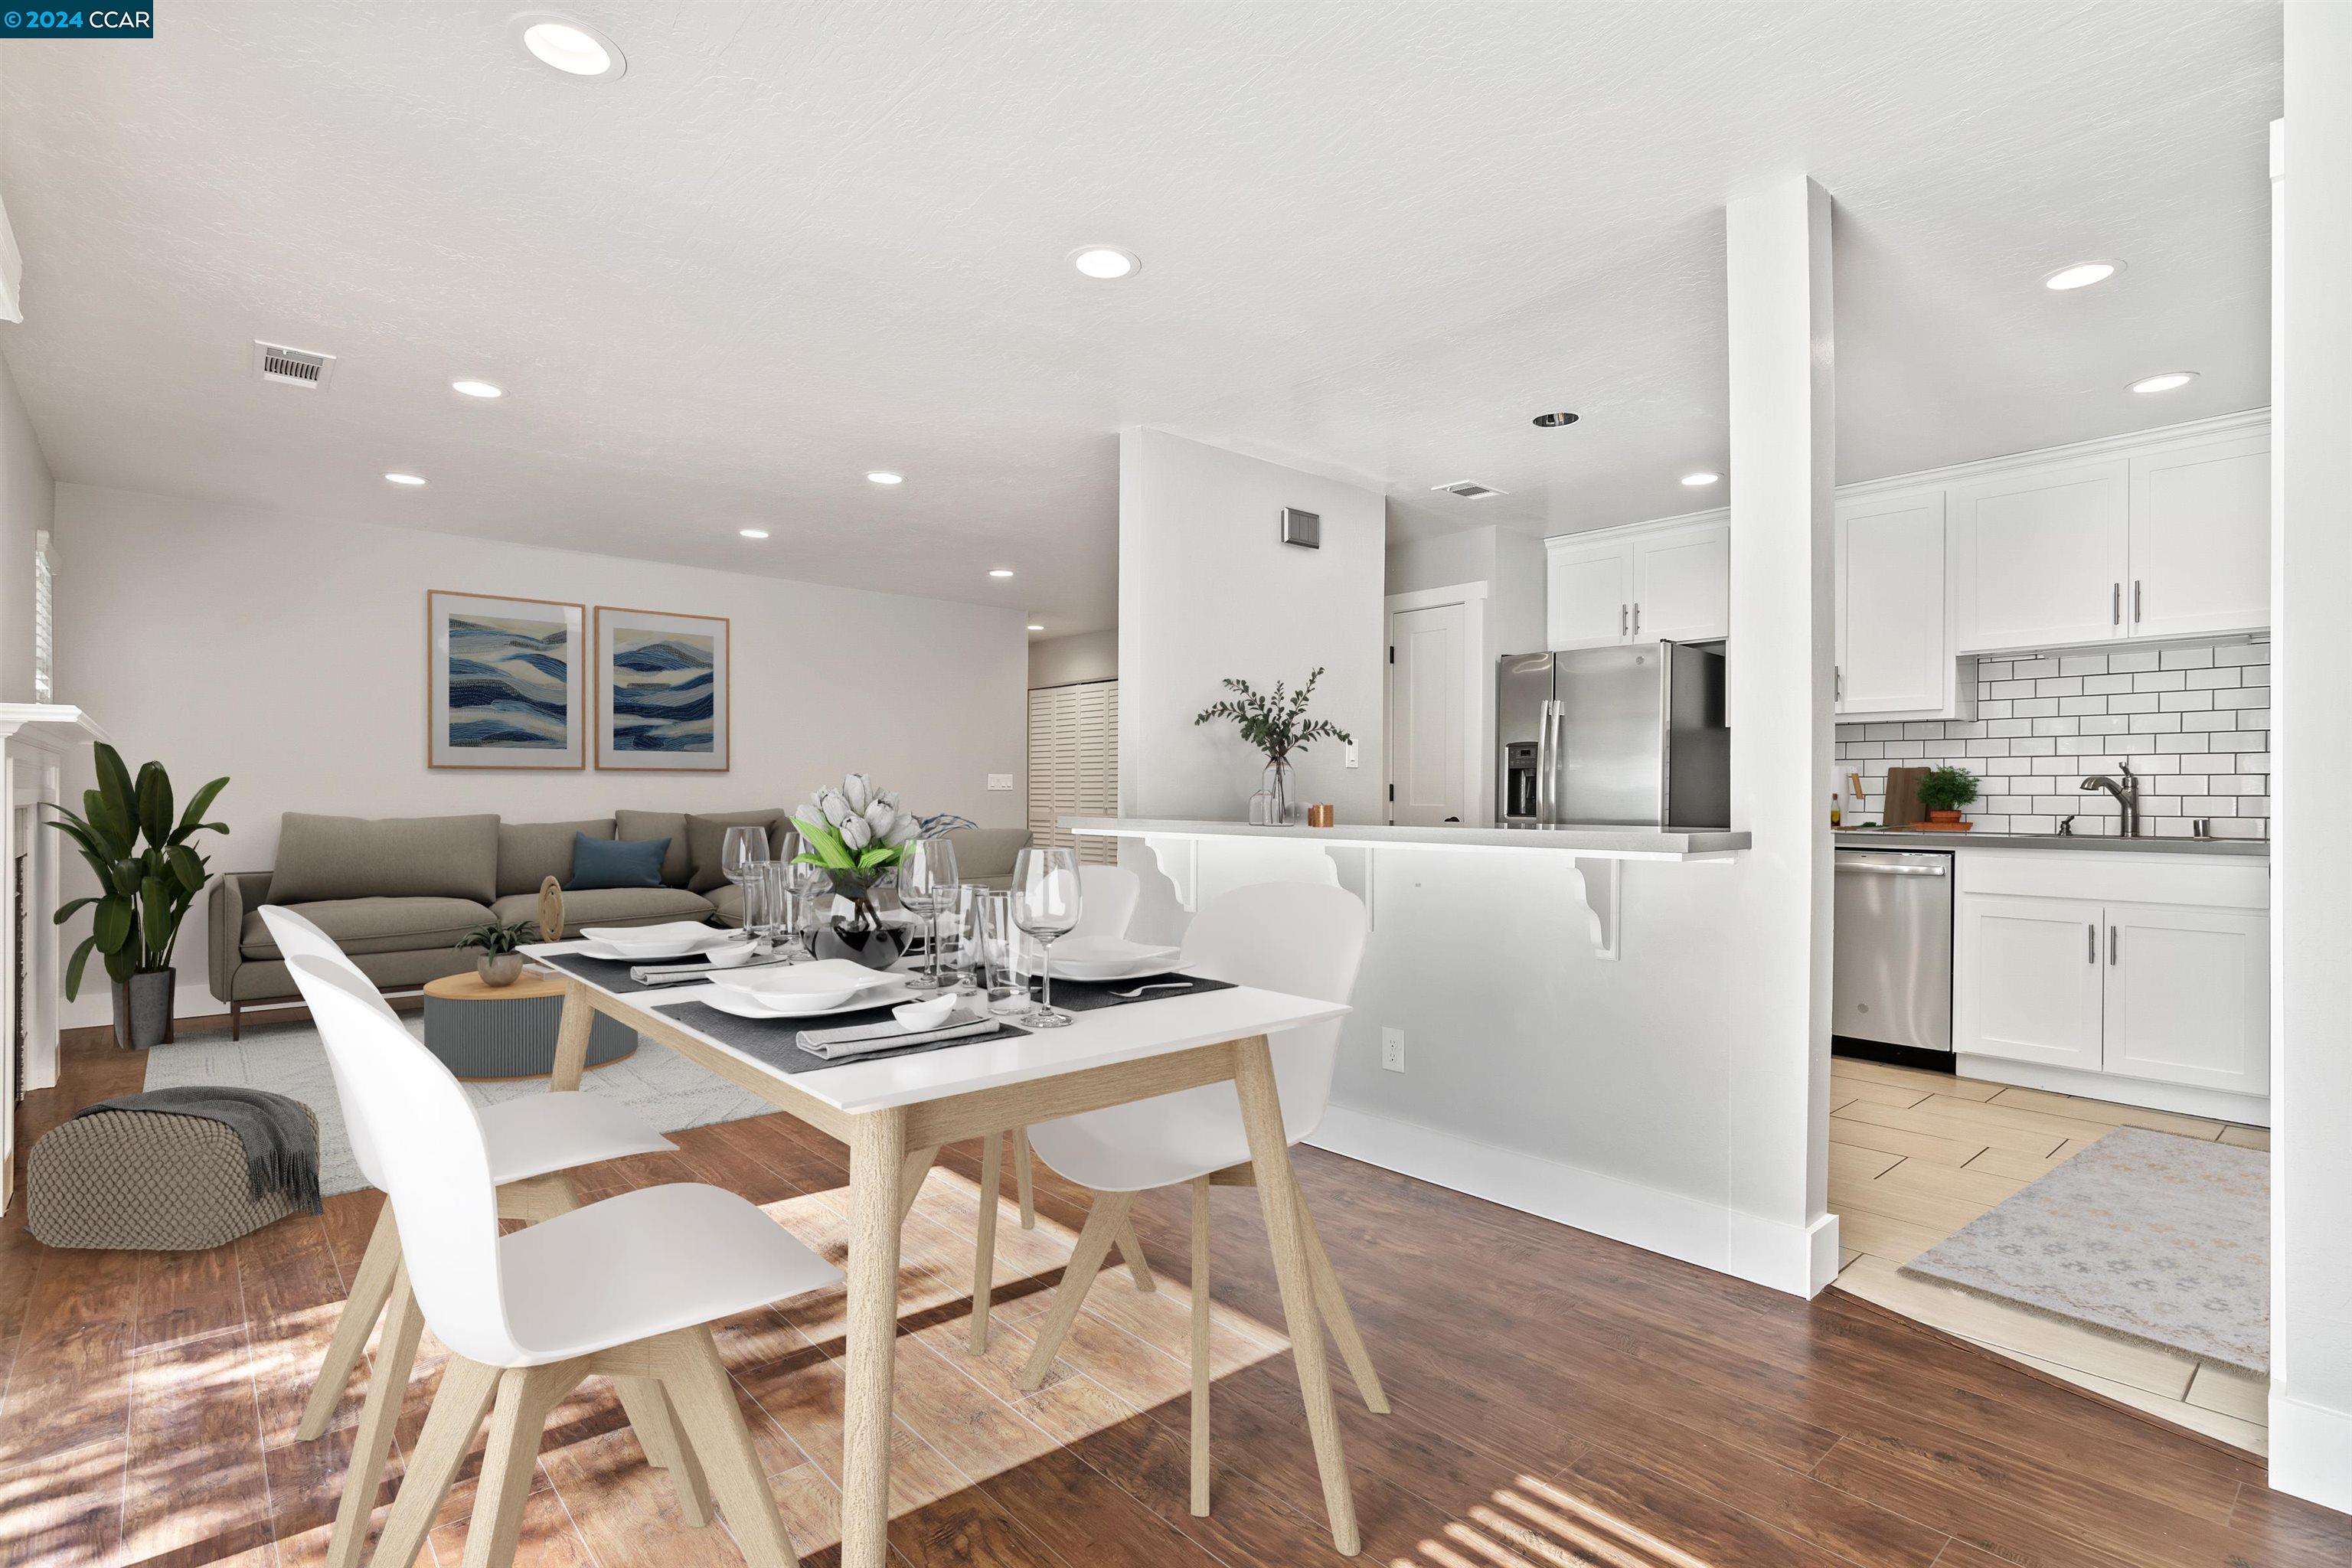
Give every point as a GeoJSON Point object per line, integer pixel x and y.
{"type": "Point", "coordinates": [397, 893]}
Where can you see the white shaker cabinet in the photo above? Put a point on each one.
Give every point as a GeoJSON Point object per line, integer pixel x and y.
{"type": "Point", "coordinates": [2200, 539]}
{"type": "Point", "coordinates": [2187, 997]}
{"type": "Point", "coordinates": [1655, 581]}
{"type": "Point", "coordinates": [1892, 652]}
{"type": "Point", "coordinates": [2032, 986]}
{"type": "Point", "coordinates": [2041, 557]}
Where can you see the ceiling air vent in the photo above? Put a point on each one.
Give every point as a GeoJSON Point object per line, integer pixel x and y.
{"type": "Point", "coordinates": [1468, 489]}
{"type": "Point", "coordinates": [295, 367]}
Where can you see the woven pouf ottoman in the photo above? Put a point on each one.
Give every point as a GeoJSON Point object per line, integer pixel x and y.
{"type": "Point", "coordinates": [484, 1031]}
{"type": "Point", "coordinates": [145, 1181]}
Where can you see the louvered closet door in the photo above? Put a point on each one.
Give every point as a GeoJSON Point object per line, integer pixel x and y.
{"type": "Point", "coordinates": [1074, 764]}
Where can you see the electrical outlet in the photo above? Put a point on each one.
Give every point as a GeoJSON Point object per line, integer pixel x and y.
{"type": "Point", "coordinates": [1351, 753]}
{"type": "Point", "coordinates": [1392, 1050]}
{"type": "Point", "coordinates": [1000, 781]}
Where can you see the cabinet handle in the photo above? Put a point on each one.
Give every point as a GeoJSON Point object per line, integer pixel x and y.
{"type": "Point", "coordinates": [2111, 945]}
{"type": "Point", "coordinates": [2092, 932]}
{"type": "Point", "coordinates": [2136, 601]}
{"type": "Point", "coordinates": [1622, 610]}
{"type": "Point", "coordinates": [1637, 618]}
{"type": "Point", "coordinates": [1837, 684]}
{"type": "Point", "coordinates": [2116, 615]}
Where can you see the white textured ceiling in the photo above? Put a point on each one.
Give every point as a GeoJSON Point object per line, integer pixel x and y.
{"type": "Point", "coordinates": [799, 241]}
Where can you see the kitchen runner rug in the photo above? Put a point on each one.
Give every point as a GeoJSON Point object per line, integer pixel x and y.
{"type": "Point", "coordinates": [2143, 1235]}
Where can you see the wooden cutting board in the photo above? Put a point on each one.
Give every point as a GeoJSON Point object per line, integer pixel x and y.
{"type": "Point", "coordinates": [1903, 809]}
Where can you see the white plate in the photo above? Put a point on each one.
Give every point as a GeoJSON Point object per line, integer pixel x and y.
{"type": "Point", "coordinates": [821, 984]}
{"type": "Point", "coordinates": [1110, 958]}
{"type": "Point", "coordinates": [643, 944]}
{"type": "Point", "coordinates": [743, 1005]}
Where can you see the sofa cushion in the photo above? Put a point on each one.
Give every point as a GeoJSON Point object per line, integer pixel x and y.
{"type": "Point", "coordinates": [615, 863]}
{"type": "Point", "coordinates": [706, 836]}
{"type": "Point", "coordinates": [678, 866]}
{"type": "Point", "coordinates": [610, 907]}
{"type": "Point", "coordinates": [326, 859]}
{"type": "Point", "coordinates": [531, 852]}
{"type": "Point", "coordinates": [374, 925]}
{"type": "Point", "coordinates": [727, 902]}
{"type": "Point", "coordinates": [984, 855]}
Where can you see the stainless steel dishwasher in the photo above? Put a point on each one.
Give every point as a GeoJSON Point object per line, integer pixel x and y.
{"type": "Point", "coordinates": [1893, 978]}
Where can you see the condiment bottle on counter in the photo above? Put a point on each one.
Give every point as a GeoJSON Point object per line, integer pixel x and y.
{"type": "Point", "coordinates": [1837, 810]}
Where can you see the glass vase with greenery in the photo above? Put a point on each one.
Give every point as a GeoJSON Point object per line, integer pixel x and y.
{"type": "Point", "coordinates": [1275, 722]}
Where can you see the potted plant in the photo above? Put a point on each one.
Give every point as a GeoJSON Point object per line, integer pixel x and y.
{"type": "Point", "coordinates": [143, 893]}
{"type": "Point", "coordinates": [856, 834]}
{"type": "Point", "coordinates": [1276, 723]}
{"type": "Point", "coordinates": [499, 965]}
{"type": "Point", "coordinates": [1943, 791]}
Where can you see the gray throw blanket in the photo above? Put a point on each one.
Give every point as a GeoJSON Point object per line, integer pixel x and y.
{"type": "Point", "coordinates": [281, 1144]}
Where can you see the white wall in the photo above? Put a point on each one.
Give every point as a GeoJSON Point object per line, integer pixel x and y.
{"type": "Point", "coordinates": [25, 495]}
{"type": "Point", "coordinates": [2311, 865]}
{"type": "Point", "coordinates": [1207, 590]}
{"type": "Point", "coordinates": [1510, 562]}
{"type": "Point", "coordinates": [1081, 656]}
{"type": "Point", "coordinates": [288, 653]}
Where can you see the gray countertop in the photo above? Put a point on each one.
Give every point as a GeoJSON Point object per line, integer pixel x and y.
{"type": "Point", "coordinates": [1883, 838]}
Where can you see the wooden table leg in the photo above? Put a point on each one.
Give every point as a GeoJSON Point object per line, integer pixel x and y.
{"type": "Point", "coordinates": [1201, 1347]}
{"type": "Point", "coordinates": [1024, 1179]}
{"type": "Point", "coordinates": [1278, 1197]}
{"type": "Point", "coordinates": [983, 1252]}
{"type": "Point", "coordinates": [877, 1150]}
{"type": "Point", "coordinates": [572, 1036]}
{"type": "Point", "coordinates": [911, 1171]}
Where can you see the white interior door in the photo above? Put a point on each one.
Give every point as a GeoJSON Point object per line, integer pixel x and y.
{"type": "Point", "coordinates": [2189, 996]}
{"type": "Point", "coordinates": [2030, 980]}
{"type": "Point", "coordinates": [1429, 759]}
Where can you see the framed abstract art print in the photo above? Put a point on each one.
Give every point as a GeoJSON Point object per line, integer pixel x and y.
{"type": "Point", "coordinates": [506, 682]}
{"type": "Point", "coordinates": [661, 692]}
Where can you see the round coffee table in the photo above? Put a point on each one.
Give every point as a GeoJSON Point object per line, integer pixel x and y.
{"type": "Point", "coordinates": [482, 1031]}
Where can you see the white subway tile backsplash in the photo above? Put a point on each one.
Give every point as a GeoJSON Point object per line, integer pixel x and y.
{"type": "Point", "coordinates": [2193, 722]}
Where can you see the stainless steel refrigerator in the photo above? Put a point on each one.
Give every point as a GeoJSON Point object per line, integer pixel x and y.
{"type": "Point", "coordinates": [1631, 736]}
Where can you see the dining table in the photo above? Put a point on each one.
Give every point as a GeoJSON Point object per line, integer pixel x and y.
{"type": "Point", "coordinates": [896, 1111]}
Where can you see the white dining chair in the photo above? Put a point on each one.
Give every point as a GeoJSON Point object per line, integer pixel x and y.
{"type": "Point", "coordinates": [1305, 939]}
{"type": "Point", "coordinates": [531, 1140]}
{"type": "Point", "coordinates": [624, 1288]}
{"type": "Point", "coordinates": [1109, 895]}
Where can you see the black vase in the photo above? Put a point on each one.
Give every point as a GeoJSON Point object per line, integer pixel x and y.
{"type": "Point", "coordinates": [143, 1010]}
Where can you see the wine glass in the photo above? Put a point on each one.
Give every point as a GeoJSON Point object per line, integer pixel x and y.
{"type": "Point", "coordinates": [742, 848]}
{"type": "Point", "coordinates": [927, 885]}
{"type": "Point", "coordinates": [1046, 899]}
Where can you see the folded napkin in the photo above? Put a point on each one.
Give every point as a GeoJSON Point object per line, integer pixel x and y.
{"type": "Point", "coordinates": [858, 1039]}
{"type": "Point", "coordinates": [686, 973]}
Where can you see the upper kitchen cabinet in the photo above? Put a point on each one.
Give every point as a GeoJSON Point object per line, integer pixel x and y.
{"type": "Point", "coordinates": [2041, 557]}
{"type": "Point", "coordinates": [1653, 581]}
{"type": "Point", "coordinates": [1894, 656]}
{"type": "Point", "coordinates": [2200, 538]}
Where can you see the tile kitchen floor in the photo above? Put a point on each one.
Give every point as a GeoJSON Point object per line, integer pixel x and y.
{"type": "Point", "coordinates": [1914, 1155]}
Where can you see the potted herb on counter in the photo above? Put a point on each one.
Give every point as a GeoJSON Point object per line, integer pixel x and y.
{"type": "Point", "coordinates": [1943, 792]}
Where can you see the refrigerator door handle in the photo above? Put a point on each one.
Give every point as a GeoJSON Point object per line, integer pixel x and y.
{"type": "Point", "coordinates": [1546, 759]}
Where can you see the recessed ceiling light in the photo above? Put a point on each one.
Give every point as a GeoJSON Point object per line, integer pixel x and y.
{"type": "Point", "coordinates": [753, 533]}
{"type": "Point", "coordinates": [1036, 626]}
{"type": "Point", "coordinates": [1554, 421]}
{"type": "Point", "coordinates": [1000, 571]}
{"type": "Point", "coordinates": [476, 389]}
{"type": "Point", "coordinates": [2171, 381]}
{"type": "Point", "coordinates": [882, 477]}
{"type": "Point", "coordinates": [571, 47]}
{"type": "Point", "coordinates": [1106, 261]}
{"type": "Point", "coordinates": [1701, 477]}
{"type": "Point", "coordinates": [2082, 275]}
{"type": "Point", "coordinates": [404, 479]}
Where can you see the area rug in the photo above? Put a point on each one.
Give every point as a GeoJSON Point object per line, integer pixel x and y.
{"type": "Point", "coordinates": [2143, 1235]}
{"type": "Point", "coordinates": [288, 1058]}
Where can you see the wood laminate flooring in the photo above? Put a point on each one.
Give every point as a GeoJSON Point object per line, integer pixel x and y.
{"type": "Point", "coordinates": [1916, 1155]}
{"type": "Point", "coordinates": [1560, 1400]}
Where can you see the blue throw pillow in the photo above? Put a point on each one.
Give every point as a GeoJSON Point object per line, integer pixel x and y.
{"type": "Point", "coordinates": [616, 862]}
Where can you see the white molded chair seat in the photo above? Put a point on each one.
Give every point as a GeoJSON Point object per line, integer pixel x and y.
{"type": "Point", "coordinates": [561, 1131]}
{"type": "Point", "coordinates": [689, 1253]}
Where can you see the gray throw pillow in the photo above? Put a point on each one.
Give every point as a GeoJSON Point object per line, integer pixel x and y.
{"type": "Point", "coordinates": [393, 858]}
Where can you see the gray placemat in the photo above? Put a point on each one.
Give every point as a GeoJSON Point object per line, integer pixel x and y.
{"type": "Point", "coordinates": [613, 973]}
{"type": "Point", "coordinates": [1086, 995]}
{"type": "Point", "coordinates": [775, 1042]}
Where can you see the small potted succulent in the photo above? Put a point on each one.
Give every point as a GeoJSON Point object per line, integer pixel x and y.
{"type": "Point", "coordinates": [856, 834]}
{"type": "Point", "coordinates": [1944, 791]}
{"type": "Point", "coordinates": [499, 965]}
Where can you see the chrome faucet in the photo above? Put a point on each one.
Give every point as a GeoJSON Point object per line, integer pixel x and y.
{"type": "Point", "coordinates": [2126, 794]}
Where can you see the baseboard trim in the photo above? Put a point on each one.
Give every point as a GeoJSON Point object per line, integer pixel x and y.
{"type": "Point", "coordinates": [2310, 1452]}
{"type": "Point", "coordinates": [1798, 1259]}
{"type": "Point", "coordinates": [2182, 1100]}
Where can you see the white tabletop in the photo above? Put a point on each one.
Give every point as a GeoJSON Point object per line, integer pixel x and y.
{"type": "Point", "coordinates": [1097, 1038]}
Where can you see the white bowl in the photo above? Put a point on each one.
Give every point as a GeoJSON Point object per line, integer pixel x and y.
{"type": "Point", "coordinates": [929, 1014]}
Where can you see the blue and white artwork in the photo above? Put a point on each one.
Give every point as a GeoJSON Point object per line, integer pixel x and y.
{"type": "Point", "coordinates": [506, 682]}
{"type": "Point", "coordinates": [662, 701]}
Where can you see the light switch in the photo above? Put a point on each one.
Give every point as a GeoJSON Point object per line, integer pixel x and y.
{"type": "Point", "coordinates": [1351, 753]}
{"type": "Point", "coordinates": [1000, 781]}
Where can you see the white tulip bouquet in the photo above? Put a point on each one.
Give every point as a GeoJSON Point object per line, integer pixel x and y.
{"type": "Point", "coordinates": [855, 833]}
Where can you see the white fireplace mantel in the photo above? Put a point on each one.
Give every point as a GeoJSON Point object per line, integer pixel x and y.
{"type": "Point", "coordinates": [35, 738]}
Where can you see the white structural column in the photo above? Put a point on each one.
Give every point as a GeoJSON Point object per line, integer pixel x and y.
{"type": "Point", "coordinates": [2311, 561]}
{"type": "Point", "coordinates": [1782, 406]}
